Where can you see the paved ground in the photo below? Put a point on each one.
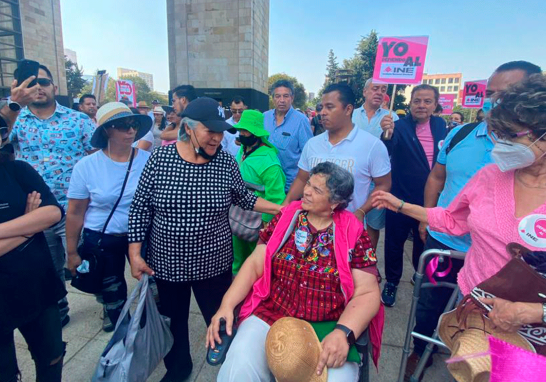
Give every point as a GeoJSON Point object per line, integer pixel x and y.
{"type": "Point", "coordinates": [86, 340]}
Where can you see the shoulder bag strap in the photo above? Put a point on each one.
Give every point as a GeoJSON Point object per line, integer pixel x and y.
{"type": "Point", "coordinates": [120, 195]}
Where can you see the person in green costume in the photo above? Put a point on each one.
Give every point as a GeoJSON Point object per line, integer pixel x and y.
{"type": "Point", "coordinates": [261, 170]}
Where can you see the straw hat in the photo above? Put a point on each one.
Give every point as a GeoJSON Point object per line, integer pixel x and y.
{"type": "Point", "coordinates": [472, 340]}
{"type": "Point", "coordinates": [293, 351]}
{"type": "Point", "coordinates": [142, 104]}
{"type": "Point", "coordinates": [158, 110]}
{"type": "Point", "coordinates": [116, 112]}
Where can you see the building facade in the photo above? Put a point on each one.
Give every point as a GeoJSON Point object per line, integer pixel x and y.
{"type": "Point", "coordinates": [71, 55]}
{"type": "Point", "coordinates": [451, 83]}
{"type": "Point", "coordinates": [32, 30]}
{"type": "Point", "coordinates": [220, 47]}
{"type": "Point", "coordinates": [147, 77]}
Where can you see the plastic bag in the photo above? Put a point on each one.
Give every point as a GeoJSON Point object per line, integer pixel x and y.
{"type": "Point", "coordinates": [139, 342]}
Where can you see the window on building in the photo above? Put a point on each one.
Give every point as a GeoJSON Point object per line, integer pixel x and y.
{"type": "Point", "coordinates": [437, 81]}
{"type": "Point", "coordinates": [450, 80]}
{"type": "Point", "coordinates": [11, 43]}
{"type": "Point", "coordinates": [450, 88]}
{"type": "Point", "coordinates": [442, 89]}
{"type": "Point", "coordinates": [457, 80]}
{"type": "Point", "coordinates": [443, 81]}
{"type": "Point", "coordinates": [455, 88]}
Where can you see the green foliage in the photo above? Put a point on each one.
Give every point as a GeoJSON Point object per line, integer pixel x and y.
{"type": "Point", "coordinates": [74, 78]}
{"type": "Point", "coordinates": [361, 66]}
{"type": "Point", "coordinates": [300, 97]}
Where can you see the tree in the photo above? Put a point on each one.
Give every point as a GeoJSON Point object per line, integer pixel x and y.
{"type": "Point", "coordinates": [467, 113]}
{"type": "Point", "coordinates": [331, 69]}
{"type": "Point", "coordinates": [362, 65]}
{"type": "Point", "coordinates": [299, 90]}
{"type": "Point", "coordinates": [74, 78]}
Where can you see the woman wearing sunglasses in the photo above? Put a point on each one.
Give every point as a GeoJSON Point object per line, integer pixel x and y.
{"type": "Point", "coordinates": [97, 184]}
{"type": "Point", "coordinates": [503, 203]}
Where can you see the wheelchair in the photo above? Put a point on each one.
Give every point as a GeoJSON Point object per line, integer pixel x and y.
{"type": "Point", "coordinates": [419, 283]}
{"type": "Point", "coordinates": [363, 347]}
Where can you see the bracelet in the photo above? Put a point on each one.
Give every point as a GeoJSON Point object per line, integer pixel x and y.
{"type": "Point", "coordinates": [361, 210]}
{"type": "Point", "coordinates": [400, 208]}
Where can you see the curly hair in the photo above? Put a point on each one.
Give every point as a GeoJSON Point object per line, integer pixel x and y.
{"type": "Point", "coordinates": [340, 183]}
{"type": "Point", "coordinates": [521, 106]}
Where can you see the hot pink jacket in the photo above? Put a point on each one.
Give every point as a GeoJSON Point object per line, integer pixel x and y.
{"type": "Point", "coordinates": [347, 230]}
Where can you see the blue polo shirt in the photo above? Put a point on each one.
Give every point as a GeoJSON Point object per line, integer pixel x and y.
{"type": "Point", "coordinates": [463, 161]}
{"type": "Point", "coordinates": [289, 138]}
{"type": "Point", "coordinates": [373, 125]}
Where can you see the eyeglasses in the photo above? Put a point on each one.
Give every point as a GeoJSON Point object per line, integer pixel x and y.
{"type": "Point", "coordinates": [44, 82]}
{"type": "Point", "coordinates": [237, 111]}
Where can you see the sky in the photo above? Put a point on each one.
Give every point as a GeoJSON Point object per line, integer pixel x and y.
{"type": "Point", "coordinates": [472, 37]}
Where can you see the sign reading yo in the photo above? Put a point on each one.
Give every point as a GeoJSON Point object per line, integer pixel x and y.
{"type": "Point", "coordinates": [474, 94]}
{"type": "Point", "coordinates": [400, 60]}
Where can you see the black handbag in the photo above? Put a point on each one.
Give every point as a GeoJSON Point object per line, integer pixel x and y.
{"type": "Point", "coordinates": [91, 281]}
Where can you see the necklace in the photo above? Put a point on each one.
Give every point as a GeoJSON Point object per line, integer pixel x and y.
{"type": "Point", "coordinates": [518, 177]}
{"type": "Point", "coordinates": [110, 156]}
{"type": "Point", "coordinates": [304, 238]}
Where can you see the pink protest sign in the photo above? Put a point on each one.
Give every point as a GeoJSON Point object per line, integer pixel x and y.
{"type": "Point", "coordinates": [126, 89]}
{"type": "Point", "coordinates": [474, 94]}
{"type": "Point", "coordinates": [400, 60]}
{"type": "Point", "coordinates": [447, 101]}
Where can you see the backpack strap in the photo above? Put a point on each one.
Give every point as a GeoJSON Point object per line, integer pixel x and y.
{"type": "Point", "coordinates": [461, 134]}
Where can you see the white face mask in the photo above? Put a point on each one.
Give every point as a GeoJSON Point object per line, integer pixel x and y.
{"type": "Point", "coordinates": [513, 155]}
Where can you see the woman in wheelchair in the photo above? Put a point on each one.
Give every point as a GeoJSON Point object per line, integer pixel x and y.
{"type": "Point", "coordinates": [315, 262]}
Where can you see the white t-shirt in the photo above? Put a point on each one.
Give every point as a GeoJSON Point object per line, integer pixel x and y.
{"type": "Point", "coordinates": [360, 153]}
{"type": "Point", "coordinates": [228, 142]}
{"type": "Point", "coordinates": [99, 178]}
{"type": "Point", "coordinates": [148, 137]}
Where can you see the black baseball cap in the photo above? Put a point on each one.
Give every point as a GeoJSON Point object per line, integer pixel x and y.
{"type": "Point", "coordinates": [209, 112]}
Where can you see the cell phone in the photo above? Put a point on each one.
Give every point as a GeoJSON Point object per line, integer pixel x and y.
{"type": "Point", "coordinates": [25, 69]}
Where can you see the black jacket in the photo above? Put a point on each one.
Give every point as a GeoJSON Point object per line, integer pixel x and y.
{"type": "Point", "coordinates": [409, 164]}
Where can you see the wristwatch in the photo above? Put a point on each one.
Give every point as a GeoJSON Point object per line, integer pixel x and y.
{"type": "Point", "coordinates": [348, 333]}
{"type": "Point", "coordinates": [544, 313]}
{"type": "Point", "coordinates": [14, 106]}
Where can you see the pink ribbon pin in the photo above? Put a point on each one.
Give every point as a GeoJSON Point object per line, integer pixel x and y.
{"type": "Point", "coordinates": [432, 267]}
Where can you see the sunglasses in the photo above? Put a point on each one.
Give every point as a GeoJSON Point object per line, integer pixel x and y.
{"type": "Point", "coordinates": [237, 111]}
{"type": "Point", "coordinates": [44, 82]}
{"type": "Point", "coordinates": [125, 126]}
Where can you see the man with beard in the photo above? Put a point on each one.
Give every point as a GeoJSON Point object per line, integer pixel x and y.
{"type": "Point", "coordinates": [88, 106]}
{"type": "Point", "coordinates": [53, 138]}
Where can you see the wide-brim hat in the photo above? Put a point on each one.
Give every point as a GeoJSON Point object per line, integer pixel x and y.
{"type": "Point", "coordinates": [209, 112]}
{"type": "Point", "coordinates": [293, 351]}
{"type": "Point", "coordinates": [253, 122]}
{"type": "Point", "coordinates": [143, 104]}
{"type": "Point", "coordinates": [470, 339]}
{"type": "Point", "coordinates": [168, 109]}
{"type": "Point", "coordinates": [113, 112]}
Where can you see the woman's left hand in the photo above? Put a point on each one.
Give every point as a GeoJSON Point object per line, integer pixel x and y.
{"type": "Point", "coordinates": [382, 199]}
{"type": "Point", "coordinates": [511, 316]}
{"type": "Point", "coordinates": [334, 351]}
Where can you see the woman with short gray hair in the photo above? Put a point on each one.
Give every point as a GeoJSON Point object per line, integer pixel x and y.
{"type": "Point", "coordinates": [181, 208]}
{"type": "Point", "coordinates": [299, 270]}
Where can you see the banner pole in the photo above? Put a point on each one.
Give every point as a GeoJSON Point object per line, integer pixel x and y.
{"type": "Point", "coordinates": [390, 109]}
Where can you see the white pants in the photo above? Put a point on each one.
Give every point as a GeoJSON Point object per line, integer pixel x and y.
{"type": "Point", "coordinates": [246, 360]}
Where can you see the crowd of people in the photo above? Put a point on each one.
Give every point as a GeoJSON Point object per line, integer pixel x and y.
{"type": "Point", "coordinates": [263, 216]}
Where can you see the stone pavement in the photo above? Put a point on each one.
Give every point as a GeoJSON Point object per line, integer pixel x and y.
{"type": "Point", "coordinates": [86, 340]}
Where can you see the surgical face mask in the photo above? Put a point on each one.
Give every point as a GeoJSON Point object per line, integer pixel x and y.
{"type": "Point", "coordinates": [452, 124]}
{"type": "Point", "coordinates": [513, 155]}
{"type": "Point", "coordinates": [248, 141]}
{"type": "Point", "coordinates": [201, 151]}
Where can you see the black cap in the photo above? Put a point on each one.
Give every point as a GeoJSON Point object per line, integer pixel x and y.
{"type": "Point", "coordinates": [209, 112]}
{"type": "Point", "coordinates": [155, 101]}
